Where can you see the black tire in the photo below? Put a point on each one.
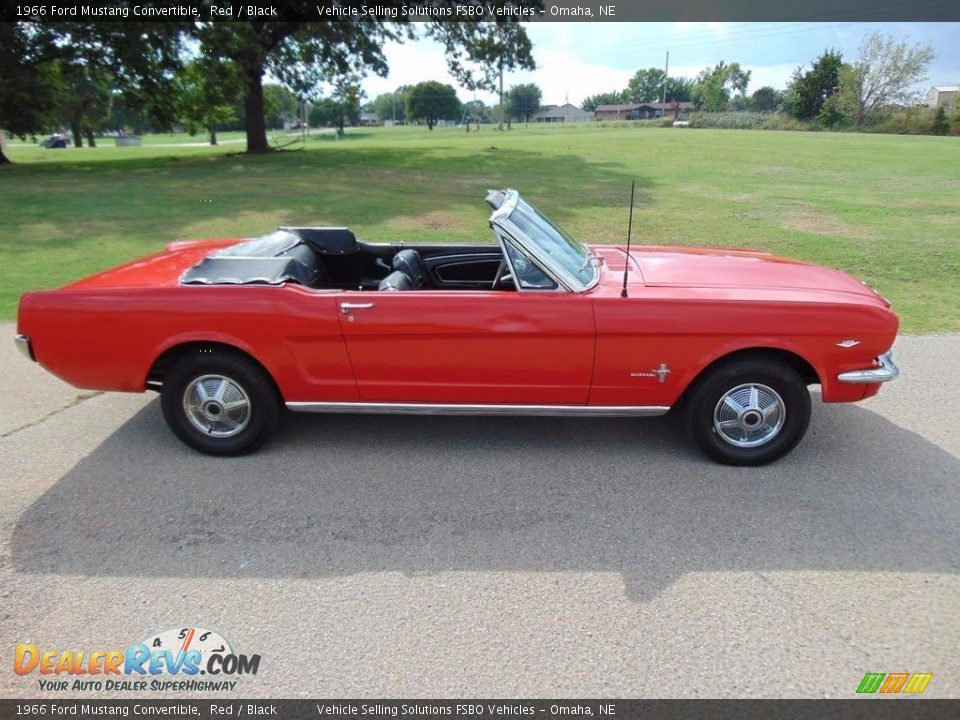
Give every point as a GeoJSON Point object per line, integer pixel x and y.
{"type": "Point", "coordinates": [240, 429]}
{"type": "Point", "coordinates": [772, 425]}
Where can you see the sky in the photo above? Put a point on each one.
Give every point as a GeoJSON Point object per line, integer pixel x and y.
{"type": "Point", "coordinates": [575, 60]}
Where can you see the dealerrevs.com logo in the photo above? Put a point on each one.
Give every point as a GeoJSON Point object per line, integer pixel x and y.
{"type": "Point", "coordinates": [189, 658]}
{"type": "Point", "coordinates": [894, 683]}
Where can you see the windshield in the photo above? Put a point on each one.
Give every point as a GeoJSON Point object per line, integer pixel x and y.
{"type": "Point", "coordinates": [550, 240]}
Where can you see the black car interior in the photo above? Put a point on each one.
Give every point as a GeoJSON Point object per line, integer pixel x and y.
{"type": "Point", "coordinates": [334, 258]}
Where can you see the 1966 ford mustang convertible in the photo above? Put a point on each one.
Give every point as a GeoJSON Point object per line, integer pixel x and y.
{"type": "Point", "coordinates": [230, 331]}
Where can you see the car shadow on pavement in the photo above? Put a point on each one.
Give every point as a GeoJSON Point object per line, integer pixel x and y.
{"type": "Point", "coordinates": [337, 495]}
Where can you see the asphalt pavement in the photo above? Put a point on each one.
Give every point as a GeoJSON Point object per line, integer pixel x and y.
{"type": "Point", "coordinates": [366, 556]}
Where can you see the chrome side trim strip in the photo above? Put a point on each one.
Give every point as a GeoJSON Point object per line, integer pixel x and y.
{"type": "Point", "coordinates": [471, 409]}
{"type": "Point", "coordinates": [886, 372]}
{"type": "Point", "coordinates": [23, 345]}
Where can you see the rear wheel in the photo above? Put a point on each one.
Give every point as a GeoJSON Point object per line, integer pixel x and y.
{"type": "Point", "coordinates": [220, 403]}
{"type": "Point", "coordinates": [748, 412]}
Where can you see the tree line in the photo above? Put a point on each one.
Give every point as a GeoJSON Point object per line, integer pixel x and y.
{"type": "Point", "coordinates": [72, 73]}
{"type": "Point", "coordinates": [833, 93]}
{"type": "Point", "coordinates": [432, 101]}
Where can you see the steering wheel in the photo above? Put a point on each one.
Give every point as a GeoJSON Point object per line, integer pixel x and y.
{"type": "Point", "coordinates": [501, 276]}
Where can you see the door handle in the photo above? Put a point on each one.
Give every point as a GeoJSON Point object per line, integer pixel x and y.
{"type": "Point", "coordinates": [346, 307]}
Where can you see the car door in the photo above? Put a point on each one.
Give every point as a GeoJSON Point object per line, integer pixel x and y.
{"type": "Point", "coordinates": [468, 346]}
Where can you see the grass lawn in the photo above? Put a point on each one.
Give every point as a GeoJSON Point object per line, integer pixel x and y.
{"type": "Point", "coordinates": [884, 208]}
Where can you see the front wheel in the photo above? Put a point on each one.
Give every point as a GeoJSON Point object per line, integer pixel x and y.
{"type": "Point", "coordinates": [749, 412]}
{"type": "Point", "coordinates": [219, 403]}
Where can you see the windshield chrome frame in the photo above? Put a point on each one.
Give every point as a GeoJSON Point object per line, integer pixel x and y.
{"type": "Point", "coordinates": [500, 220]}
{"type": "Point", "coordinates": [505, 239]}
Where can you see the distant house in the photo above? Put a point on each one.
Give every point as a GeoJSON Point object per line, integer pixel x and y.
{"type": "Point", "coordinates": [369, 119]}
{"type": "Point", "coordinates": [563, 113]}
{"type": "Point", "coordinates": [943, 96]}
{"type": "Point", "coordinates": [641, 111]}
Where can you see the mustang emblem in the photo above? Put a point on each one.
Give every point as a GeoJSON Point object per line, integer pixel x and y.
{"type": "Point", "coordinates": [660, 373]}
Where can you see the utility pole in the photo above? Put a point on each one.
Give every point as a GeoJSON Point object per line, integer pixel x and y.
{"type": "Point", "coordinates": [501, 94]}
{"type": "Point", "coordinates": [666, 74]}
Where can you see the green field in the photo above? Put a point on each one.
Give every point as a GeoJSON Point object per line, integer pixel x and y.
{"type": "Point", "coordinates": [884, 208]}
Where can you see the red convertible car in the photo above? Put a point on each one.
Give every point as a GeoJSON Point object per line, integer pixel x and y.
{"type": "Point", "coordinates": [231, 331]}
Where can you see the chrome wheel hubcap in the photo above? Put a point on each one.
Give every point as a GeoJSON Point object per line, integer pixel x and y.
{"type": "Point", "coordinates": [749, 415]}
{"type": "Point", "coordinates": [217, 405]}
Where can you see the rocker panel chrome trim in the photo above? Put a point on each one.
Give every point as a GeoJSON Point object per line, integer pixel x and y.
{"type": "Point", "coordinates": [475, 409]}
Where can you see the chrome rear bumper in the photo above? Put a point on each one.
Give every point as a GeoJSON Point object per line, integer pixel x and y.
{"type": "Point", "coordinates": [887, 371]}
{"type": "Point", "coordinates": [24, 346]}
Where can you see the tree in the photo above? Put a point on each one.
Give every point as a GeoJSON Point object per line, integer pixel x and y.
{"type": "Point", "coordinates": [679, 89]}
{"type": "Point", "coordinates": [303, 54]}
{"type": "Point", "coordinates": [607, 98]}
{"type": "Point", "coordinates": [122, 118]}
{"type": "Point", "coordinates": [298, 54]}
{"type": "Point", "coordinates": [645, 86]}
{"type": "Point", "coordinates": [279, 106]}
{"type": "Point", "coordinates": [840, 109]}
{"type": "Point", "coordinates": [765, 99]}
{"type": "Point", "coordinates": [27, 80]}
{"type": "Point", "coordinates": [431, 101]}
{"type": "Point", "coordinates": [138, 60]}
{"type": "Point", "coordinates": [208, 89]}
{"type": "Point", "coordinates": [523, 101]}
{"type": "Point", "coordinates": [833, 114]}
{"type": "Point", "coordinates": [886, 72]}
{"type": "Point", "coordinates": [476, 111]}
{"type": "Point", "coordinates": [391, 106]}
{"type": "Point", "coordinates": [324, 112]}
{"type": "Point", "coordinates": [808, 91]}
{"type": "Point", "coordinates": [714, 85]}
{"type": "Point", "coordinates": [42, 65]}
{"type": "Point", "coordinates": [84, 98]}
{"type": "Point", "coordinates": [347, 95]}
{"type": "Point", "coordinates": [478, 56]}
{"type": "Point", "coordinates": [941, 125]}
{"type": "Point", "coordinates": [144, 57]}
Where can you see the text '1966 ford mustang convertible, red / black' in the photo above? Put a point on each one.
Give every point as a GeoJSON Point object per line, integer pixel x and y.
{"type": "Point", "coordinates": [231, 331]}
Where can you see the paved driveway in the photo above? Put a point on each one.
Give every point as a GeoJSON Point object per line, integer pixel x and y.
{"type": "Point", "coordinates": [385, 556]}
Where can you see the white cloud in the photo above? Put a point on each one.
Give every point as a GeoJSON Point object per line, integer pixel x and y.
{"type": "Point", "coordinates": [561, 74]}
{"type": "Point", "coordinates": [411, 63]}
{"type": "Point", "coordinates": [716, 29]}
{"type": "Point", "coordinates": [775, 75]}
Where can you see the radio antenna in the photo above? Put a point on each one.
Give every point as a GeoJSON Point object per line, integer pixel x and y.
{"type": "Point", "coordinates": [626, 267]}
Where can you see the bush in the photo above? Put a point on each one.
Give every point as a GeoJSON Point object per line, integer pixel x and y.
{"type": "Point", "coordinates": [745, 121]}
{"type": "Point", "coordinates": [832, 114]}
{"type": "Point", "coordinates": [786, 122]}
{"type": "Point", "coordinates": [940, 125]}
{"type": "Point", "coordinates": [911, 121]}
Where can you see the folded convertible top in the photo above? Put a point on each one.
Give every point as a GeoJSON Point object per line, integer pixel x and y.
{"type": "Point", "coordinates": [285, 255]}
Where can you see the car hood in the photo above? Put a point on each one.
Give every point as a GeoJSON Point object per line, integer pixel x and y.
{"type": "Point", "coordinates": [727, 268]}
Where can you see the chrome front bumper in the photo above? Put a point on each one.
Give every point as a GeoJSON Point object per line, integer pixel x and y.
{"type": "Point", "coordinates": [24, 346]}
{"type": "Point", "coordinates": [887, 371]}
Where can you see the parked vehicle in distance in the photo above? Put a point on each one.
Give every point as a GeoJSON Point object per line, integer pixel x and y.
{"type": "Point", "coordinates": [55, 141]}
{"type": "Point", "coordinates": [231, 331]}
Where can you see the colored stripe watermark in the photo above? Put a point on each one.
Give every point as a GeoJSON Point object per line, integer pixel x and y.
{"type": "Point", "coordinates": [894, 683]}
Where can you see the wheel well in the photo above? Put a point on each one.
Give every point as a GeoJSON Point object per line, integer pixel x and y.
{"type": "Point", "coordinates": [804, 368]}
{"type": "Point", "coordinates": [171, 356]}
